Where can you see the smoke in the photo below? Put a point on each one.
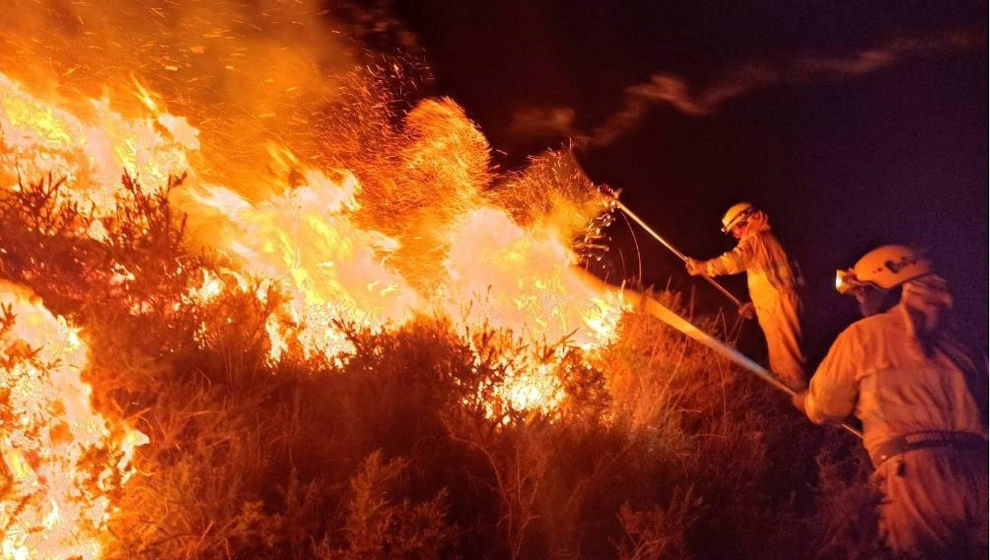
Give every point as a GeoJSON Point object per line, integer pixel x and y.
{"type": "Point", "coordinates": [706, 99]}
{"type": "Point", "coordinates": [251, 76]}
{"type": "Point", "coordinates": [222, 52]}
{"type": "Point", "coordinates": [541, 122]}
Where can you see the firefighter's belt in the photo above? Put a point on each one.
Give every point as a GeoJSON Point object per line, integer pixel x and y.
{"type": "Point", "coordinates": [926, 440]}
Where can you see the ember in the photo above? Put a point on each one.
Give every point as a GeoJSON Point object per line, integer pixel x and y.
{"type": "Point", "coordinates": [313, 238]}
{"type": "Point", "coordinates": [362, 243]}
{"type": "Point", "coordinates": [60, 459]}
{"type": "Point", "coordinates": [316, 317]}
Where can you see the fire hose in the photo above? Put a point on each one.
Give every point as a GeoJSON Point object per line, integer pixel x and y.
{"type": "Point", "coordinates": [674, 250]}
{"type": "Point", "coordinates": [672, 319]}
{"type": "Point", "coordinates": [662, 312]}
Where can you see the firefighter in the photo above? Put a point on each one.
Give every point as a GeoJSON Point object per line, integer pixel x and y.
{"type": "Point", "coordinates": [772, 287]}
{"type": "Point", "coordinates": [921, 397]}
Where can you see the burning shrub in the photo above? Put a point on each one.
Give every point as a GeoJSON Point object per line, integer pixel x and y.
{"type": "Point", "coordinates": [405, 448]}
{"type": "Point", "coordinates": [365, 350]}
{"type": "Point", "coordinates": [60, 462]}
{"type": "Point", "coordinates": [554, 192]}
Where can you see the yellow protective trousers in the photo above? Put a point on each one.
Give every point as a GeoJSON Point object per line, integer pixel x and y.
{"type": "Point", "coordinates": [934, 503]}
{"type": "Point", "coordinates": [778, 312]}
{"type": "Point", "coordinates": [772, 283]}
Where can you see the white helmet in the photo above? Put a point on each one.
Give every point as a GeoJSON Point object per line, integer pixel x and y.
{"type": "Point", "coordinates": [736, 214]}
{"type": "Point", "coordinates": [884, 268]}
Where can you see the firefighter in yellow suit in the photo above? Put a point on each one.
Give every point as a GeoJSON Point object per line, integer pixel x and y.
{"type": "Point", "coordinates": [772, 286]}
{"type": "Point", "coordinates": [922, 399]}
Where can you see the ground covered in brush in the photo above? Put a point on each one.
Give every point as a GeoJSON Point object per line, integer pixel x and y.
{"type": "Point", "coordinates": [659, 449]}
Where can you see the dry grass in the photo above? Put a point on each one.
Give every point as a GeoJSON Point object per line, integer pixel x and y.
{"type": "Point", "coordinates": [660, 450]}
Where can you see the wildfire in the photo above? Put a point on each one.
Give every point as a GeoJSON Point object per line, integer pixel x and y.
{"type": "Point", "coordinates": [59, 459]}
{"type": "Point", "coordinates": [523, 281]}
{"type": "Point", "coordinates": [423, 226]}
{"type": "Point", "coordinates": [338, 254]}
{"type": "Point", "coordinates": [39, 138]}
{"type": "Point", "coordinates": [304, 239]}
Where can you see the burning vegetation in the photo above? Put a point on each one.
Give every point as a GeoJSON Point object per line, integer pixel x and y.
{"type": "Point", "coordinates": [264, 298]}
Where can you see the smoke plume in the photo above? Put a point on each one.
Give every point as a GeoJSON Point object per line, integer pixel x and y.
{"type": "Point", "coordinates": [708, 98]}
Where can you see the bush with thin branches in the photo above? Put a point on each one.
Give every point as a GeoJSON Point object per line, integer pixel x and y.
{"type": "Point", "coordinates": [659, 449]}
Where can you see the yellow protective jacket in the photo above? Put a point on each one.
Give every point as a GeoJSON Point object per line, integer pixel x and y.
{"type": "Point", "coordinates": [772, 287]}
{"type": "Point", "coordinates": [761, 257]}
{"type": "Point", "coordinates": [903, 374]}
{"type": "Point", "coordinates": [877, 370]}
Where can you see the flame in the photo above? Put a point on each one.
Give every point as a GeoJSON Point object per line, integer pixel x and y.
{"type": "Point", "coordinates": [60, 459]}
{"type": "Point", "coordinates": [309, 193]}
{"type": "Point", "coordinates": [524, 281]}
{"type": "Point", "coordinates": [369, 224]}
{"type": "Point", "coordinates": [340, 255]}
{"type": "Point", "coordinates": [40, 138]}
{"type": "Point", "coordinates": [306, 241]}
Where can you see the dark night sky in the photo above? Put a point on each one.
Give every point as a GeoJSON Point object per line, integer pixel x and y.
{"type": "Point", "coordinates": [841, 163]}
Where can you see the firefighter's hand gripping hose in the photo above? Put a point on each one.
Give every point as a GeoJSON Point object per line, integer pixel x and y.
{"type": "Point", "coordinates": [660, 311]}
{"type": "Point", "coordinates": [672, 319]}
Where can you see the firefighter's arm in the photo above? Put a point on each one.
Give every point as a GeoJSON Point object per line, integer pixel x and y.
{"type": "Point", "coordinates": [731, 262]}
{"type": "Point", "coordinates": [834, 390]}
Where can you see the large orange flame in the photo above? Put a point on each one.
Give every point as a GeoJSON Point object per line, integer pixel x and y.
{"type": "Point", "coordinates": [369, 234]}
{"type": "Point", "coordinates": [59, 459]}
{"type": "Point", "coordinates": [432, 244]}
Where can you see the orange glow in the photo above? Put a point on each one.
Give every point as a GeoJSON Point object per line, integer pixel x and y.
{"type": "Point", "coordinates": [428, 230]}
{"type": "Point", "coordinates": [374, 247]}
{"type": "Point", "coordinates": [56, 497]}
{"type": "Point", "coordinates": [845, 281]}
{"type": "Point", "coordinates": [507, 277]}
{"type": "Point", "coordinates": [436, 245]}
{"type": "Point", "coordinates": [40, 138]}
{"type": "Point", "coordinates": [367, 220]}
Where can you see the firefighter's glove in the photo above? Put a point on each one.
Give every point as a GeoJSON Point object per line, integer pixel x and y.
{"type": "Point", "coordinates": [694, 268]}
{"type": "Point", "coordinates": [798, 401]}
{"type": "Point", "coordinates": [747, 310]}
